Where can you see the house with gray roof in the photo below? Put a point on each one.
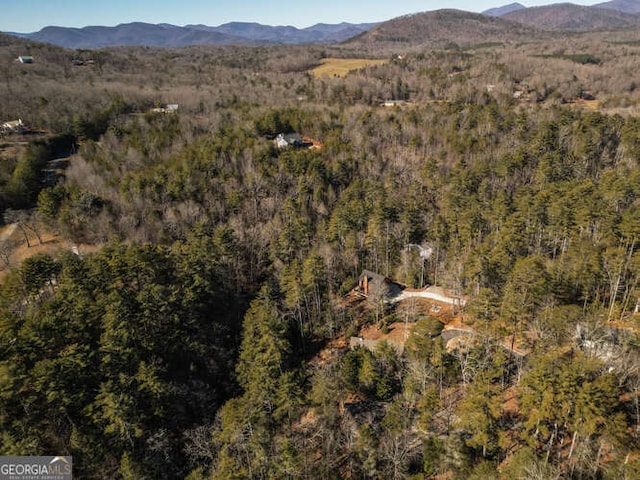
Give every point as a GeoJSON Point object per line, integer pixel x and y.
{"type": "Point", "coordinates": [372, 284]}
{"type": "Point", "coordinates": [285, 140]}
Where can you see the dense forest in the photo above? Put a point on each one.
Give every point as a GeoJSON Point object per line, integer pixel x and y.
{"type": "Point", "coordinates": [202, 330]}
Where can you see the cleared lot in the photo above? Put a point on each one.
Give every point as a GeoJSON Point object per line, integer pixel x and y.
{"type": "Point", "coordinates": [339, 67]}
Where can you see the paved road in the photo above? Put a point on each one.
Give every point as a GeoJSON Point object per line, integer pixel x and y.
{"type": "Point", "coordinates": [432, 296]}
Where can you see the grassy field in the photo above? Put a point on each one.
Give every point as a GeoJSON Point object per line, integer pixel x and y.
{"type": "Point", "coordinates": [339, 67]}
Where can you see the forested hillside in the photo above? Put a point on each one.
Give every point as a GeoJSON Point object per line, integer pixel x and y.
{"type": "Point", "coordinates": [207, 336]}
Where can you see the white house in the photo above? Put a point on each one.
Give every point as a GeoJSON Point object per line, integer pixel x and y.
{"type": "Point", "coordinates": [15, 126]}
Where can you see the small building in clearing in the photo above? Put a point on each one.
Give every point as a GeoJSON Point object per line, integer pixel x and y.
{"type": "Point", "coordinates": [169, 108]}
{"type": "Point", "coordinates": [25, 59]}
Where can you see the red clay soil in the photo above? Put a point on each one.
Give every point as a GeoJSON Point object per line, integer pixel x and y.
{"type": "Point", "coordinates": [330, 351]}
{"type": "Point", "coordinates": [315, 144]}
{"type": "Point", "coordinates": [397, 332]}
{"type": "Point", "coordinates": [51, 244]}
{"type": "Point", "coordinates": [511, 405]}
{"type": "Point", "coordinates": [432, 308]}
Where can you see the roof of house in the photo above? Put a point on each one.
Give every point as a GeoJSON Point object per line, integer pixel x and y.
{"type": "Point", "coordinates": [381, 283]}
{"type": "Point", "coordinates": [290, 137]}
{"type": "Point", "coordinates": [372, 277]}
{"type": "Point", "coordinates": [14, 125]}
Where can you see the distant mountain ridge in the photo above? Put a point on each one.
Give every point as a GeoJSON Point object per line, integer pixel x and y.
{"type": "Point", "coordinates": [499, 11]}
{"type": "Point", "coordinates": [626, 6]}
{"type": "Point", "coordinates": [571, 17]}
{"type": "Point", "coordinates": [446, 27]}
{"type": "Point", "coordinates": [166, 35]}
{"type": "Point", "coordinates": [612, 15]}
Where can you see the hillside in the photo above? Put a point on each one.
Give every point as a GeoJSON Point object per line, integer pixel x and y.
{"type": "Point", "coordinates": [441, 27]}
{"type": "Point", "coordinates": [446, 287]}
{"type": "Point", "coordinates": [570, 17]}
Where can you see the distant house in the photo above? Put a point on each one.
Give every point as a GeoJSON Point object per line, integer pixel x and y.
{"type": "Point", "coordinates": [370, 283]}
{"type": "Point", "coordinates": [14, 126]}
{"type": "Point", "coordinates": [25, 59]}
{"type": "Point", "coordinates": [285, 140]}
{"type": "Point", "coordinates": [587, 95]}
{"type": "Point", "coordinates": [393, 103]}
{"type": "Point", "coordinates": [169, 108]}
{"type": "Point", "coordinates": [522, 91]}
{"type": "Point", "coordinates": [79, 62]}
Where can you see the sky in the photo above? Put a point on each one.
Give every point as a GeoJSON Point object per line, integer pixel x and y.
{"type": "Point", "coordinates": [26, 16]}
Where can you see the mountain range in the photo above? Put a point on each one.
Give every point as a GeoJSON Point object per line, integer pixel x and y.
{"type": "Point", "coordinates": [570, 17]}
{"type": "Point", "coordinates": [625, 6]}
{"type": "Point", "coordinates": [166, 35]}
{"type": "Point", "coordinates": [502, 23]}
